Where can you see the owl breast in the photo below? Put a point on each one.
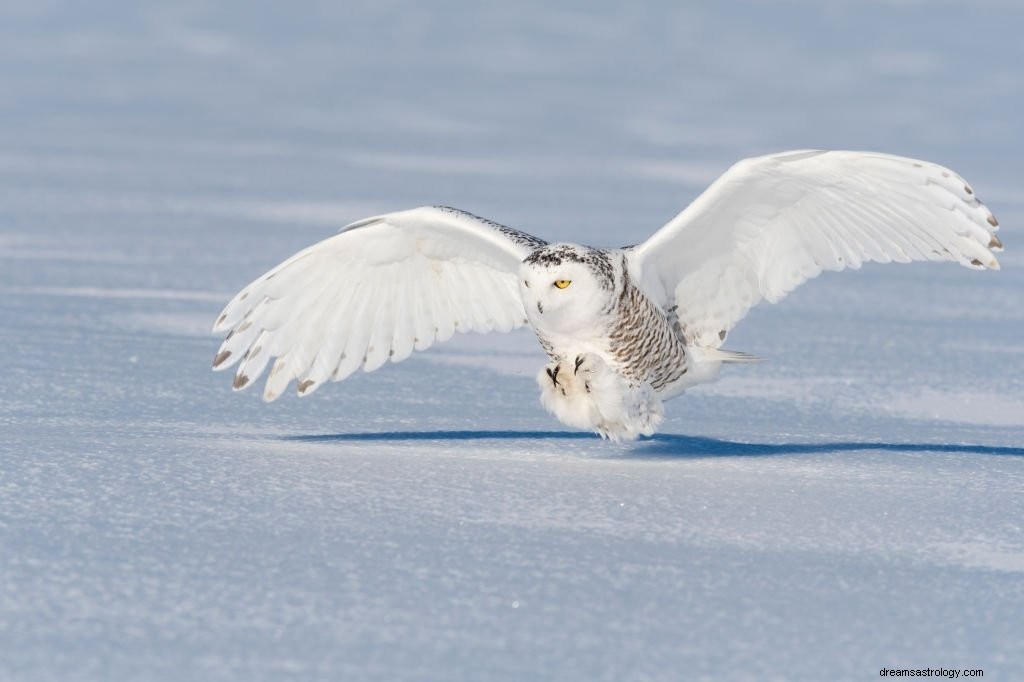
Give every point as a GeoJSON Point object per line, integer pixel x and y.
{"type": "Point", "coordinates": [610, 316]}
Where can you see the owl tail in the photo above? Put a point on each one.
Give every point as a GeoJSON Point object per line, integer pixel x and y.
{"type": "Point", "coordinates": [719, 355]}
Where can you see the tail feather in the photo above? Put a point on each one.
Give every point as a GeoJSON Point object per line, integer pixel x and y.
{"type": "Point", "coordinates": [727, 356]}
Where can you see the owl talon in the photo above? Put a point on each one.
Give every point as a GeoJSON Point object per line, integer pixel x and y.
{"type": "Point", "coordinates": [583, 391]}
{"type": "Point", "coordinates": [588, 365]}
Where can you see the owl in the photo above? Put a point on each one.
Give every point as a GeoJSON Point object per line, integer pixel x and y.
{"type": "Point", "coordinates": [624, 329]}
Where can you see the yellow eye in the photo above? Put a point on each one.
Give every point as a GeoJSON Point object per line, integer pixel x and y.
{"type": "Point", "coordinates": [562, 283]}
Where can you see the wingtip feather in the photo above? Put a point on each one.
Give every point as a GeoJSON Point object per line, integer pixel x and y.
{"type": "Point", "coordinates": [220, 359]}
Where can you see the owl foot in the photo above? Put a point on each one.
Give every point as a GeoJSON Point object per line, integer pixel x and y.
{"type": "Point", "coordinates": [586, 393]}
{"type": "Point", "coordinates": [587, 368]}
{"type": "Point", "coordinates": [569, 377]}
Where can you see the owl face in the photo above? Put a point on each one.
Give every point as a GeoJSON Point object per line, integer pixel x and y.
{"type": "Point", "coordinates": [562, 290]}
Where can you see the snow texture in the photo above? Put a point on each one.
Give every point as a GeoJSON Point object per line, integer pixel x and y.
{"type": "Point", "coordinates": [854, 502]}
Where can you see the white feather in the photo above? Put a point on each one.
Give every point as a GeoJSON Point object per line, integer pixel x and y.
{"type": "Point", "coordinates": [380, 288]}
{"type": "Point", "coordinates": [256, 358]}
{"type": "Point", "coordinates": [403, 334]}
{"type": "Point", "coordinates": [382, 326]}
{"type": "Point", "coordinates": [772, 222]}
{"type": "Point", "coordinates": [352, 355]}
{"type": "Point", "coordinates": [281, 375]}
{"type": "Point", "coordinates": [335, 335]}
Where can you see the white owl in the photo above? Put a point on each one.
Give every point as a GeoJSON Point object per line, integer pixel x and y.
{"type": "Point", "coordinates": [625, 329]}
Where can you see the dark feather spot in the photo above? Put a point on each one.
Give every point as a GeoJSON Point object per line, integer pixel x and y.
{"type": "Point", "coordinates": [975, 262]}
{"type": "Point", "coordinates": [992, 221]}
{"type": "Point", "coordinates": [994, 243]}
{"type": "Point", "coordinates": [221, 357]}
{"type": "Point", "coordinates": [968, 189]}
{"type": "Point", "coordinates": [306, 385]}
{"type": "Point", "coordinates": [516, 236]}
{"type": "Point", "coordinates": [240, 381]}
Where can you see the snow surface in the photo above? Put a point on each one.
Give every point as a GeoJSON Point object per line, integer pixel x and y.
{"type": "Point", "coordinates": [853, 503]}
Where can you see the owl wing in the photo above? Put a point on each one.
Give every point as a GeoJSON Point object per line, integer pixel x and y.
{"type": "Point", "coordinates": [772, 222]}
{"type": "Point", "coordinates": [376, 291]}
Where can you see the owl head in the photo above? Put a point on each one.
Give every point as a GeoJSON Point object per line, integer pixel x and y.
{"type": "Point", "coordinates": [567, 288]}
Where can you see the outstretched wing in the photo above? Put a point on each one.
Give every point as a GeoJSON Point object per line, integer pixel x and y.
{"type": "Point", "coordinates": [772, 222]}
{"type": "Point", "coordinates": [372, 293]}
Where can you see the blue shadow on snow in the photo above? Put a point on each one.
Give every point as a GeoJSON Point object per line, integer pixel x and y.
{"type": "Point", "coordinates": [664, 445]}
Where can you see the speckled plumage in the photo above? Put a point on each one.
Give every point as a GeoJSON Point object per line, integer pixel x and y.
{"type": "Point", "coordinates": [610, 368]}
{"type": "Point", "coordinates": [643, 340]}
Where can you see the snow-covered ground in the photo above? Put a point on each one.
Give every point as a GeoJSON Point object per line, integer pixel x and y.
{"type": "Point", "coordinates": [855, 502]}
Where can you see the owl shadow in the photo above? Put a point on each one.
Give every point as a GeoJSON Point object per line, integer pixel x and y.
{"type": "Point", "coordinates": [672, 445]}
{"type": "Point", "coordinates": [661, 445]}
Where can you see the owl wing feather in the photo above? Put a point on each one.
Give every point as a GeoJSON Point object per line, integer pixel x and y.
{"type": "Point", "coordinates": [770, 223]}
{"type": "Point", "coordinates": [378, 290]}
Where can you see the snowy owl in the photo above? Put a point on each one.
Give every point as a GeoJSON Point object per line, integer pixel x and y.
{"type": "Point", "coordinates": [624, 329]}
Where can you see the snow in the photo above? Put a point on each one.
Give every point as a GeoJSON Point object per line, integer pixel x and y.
{"type": "Point", "coordinates": [854, 502]}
